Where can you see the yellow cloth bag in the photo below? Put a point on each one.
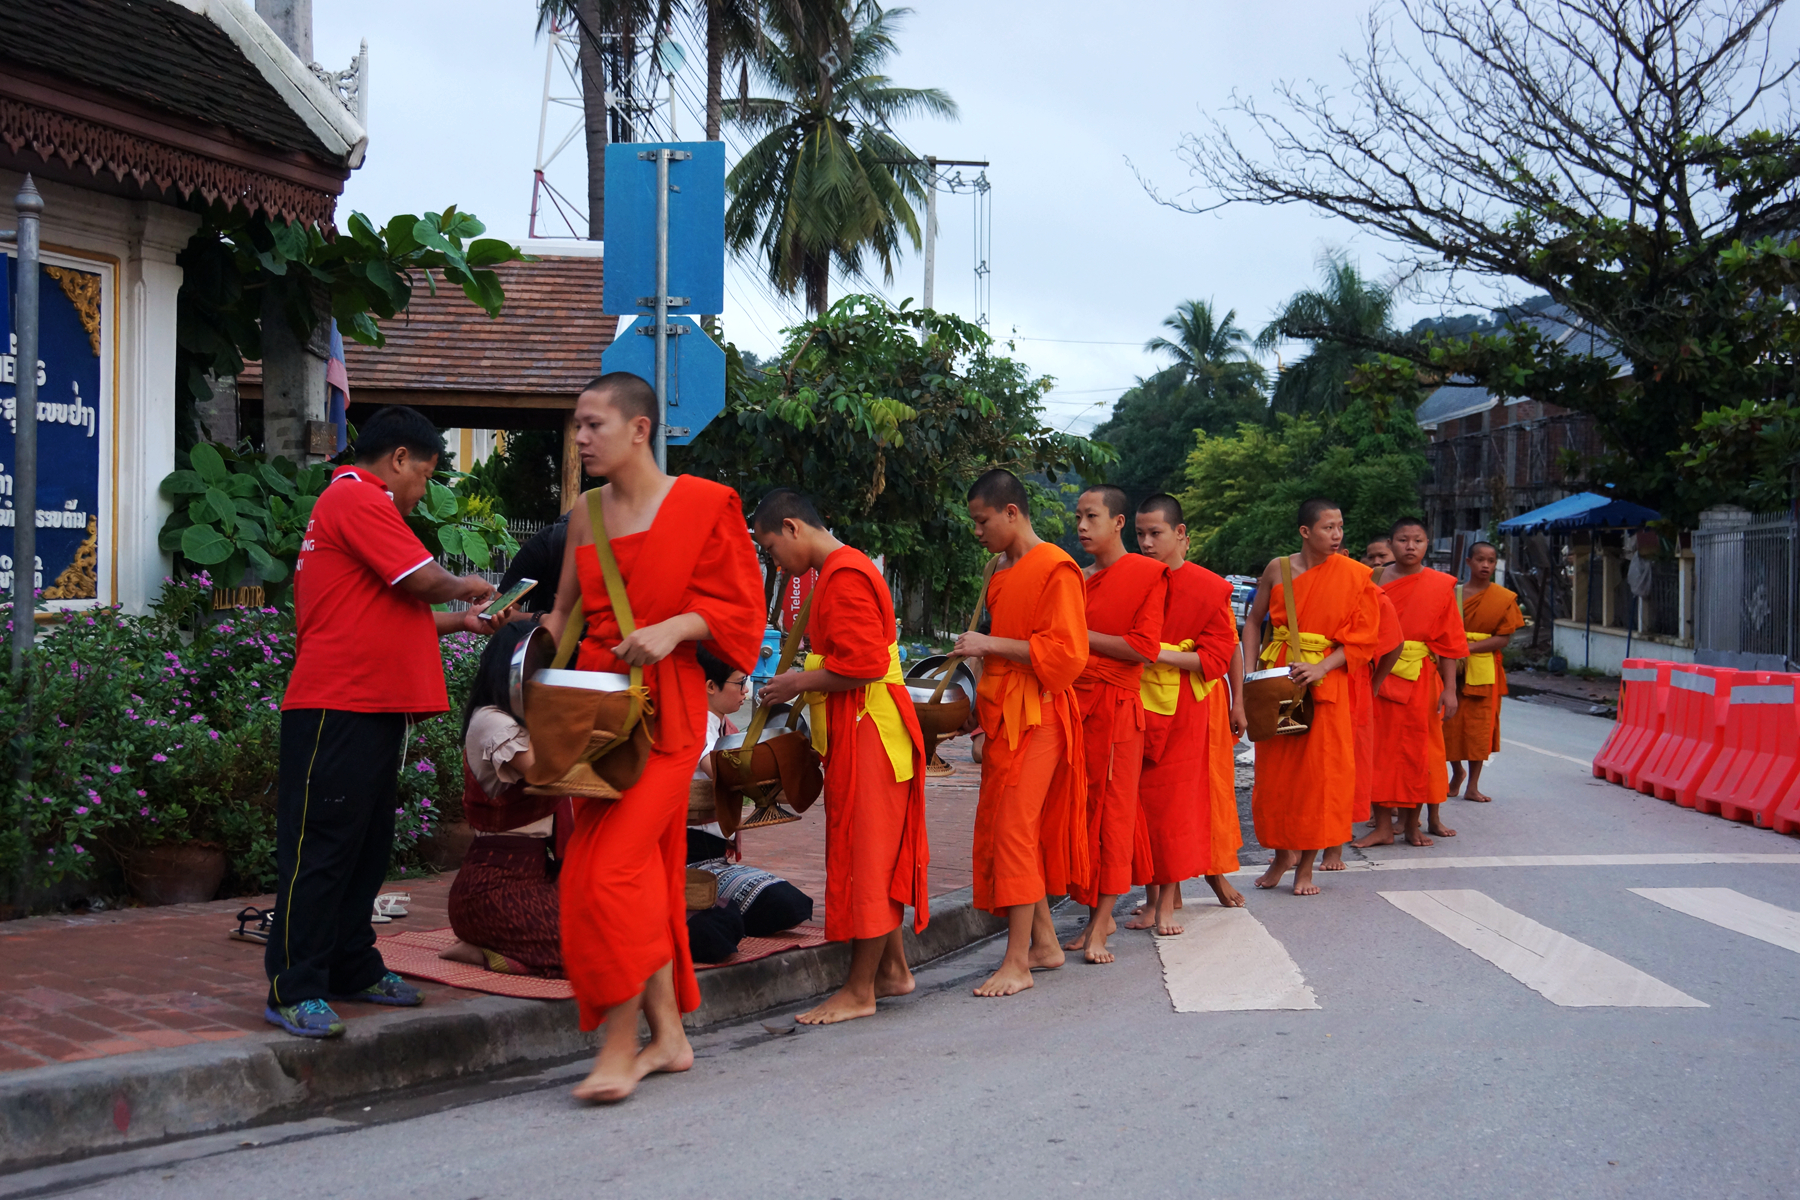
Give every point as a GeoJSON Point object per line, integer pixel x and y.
{"type": "Point", "coordinates": [878, 704]}
{"type": "Point", "coordinates": [1161, 689]}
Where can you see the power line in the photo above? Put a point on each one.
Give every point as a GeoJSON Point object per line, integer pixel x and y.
{"type": "Point", "coordinates": [1019, 337]}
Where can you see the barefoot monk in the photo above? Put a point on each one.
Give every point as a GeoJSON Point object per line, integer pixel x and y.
{"type": "Point", "coordinates": [691, 576]}
{"type": "Point", "coordinates": [875, 848]}
{"type": "Point", "coordinates": [1490, 617]}
{"type": "Point", "coordinates": [1363, 685]}
{"type": "Point", "coordinates": [1126, 596]}
{"type": "Point", "coordinates": [1031, 834]}
{"type": "Point", "coordinates": [1306, 783]}
{"type": "Point", "coordinates": [1190, 715]}
{"type": "Point", "coordinates": [1418, 693]}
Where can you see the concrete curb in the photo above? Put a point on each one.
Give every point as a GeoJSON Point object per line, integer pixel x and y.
{"type": "Point", "coordinates": [68, 1111]}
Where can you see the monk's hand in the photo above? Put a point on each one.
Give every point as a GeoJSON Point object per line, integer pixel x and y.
{"type": "Point", "coordinates": [781, 689]}
{"type": "Point", "coordinates": [1449, 703]}
{"type": "Point", "coordinates": [974, 645]}
{"type": "Point", "coordinates": [1240, 721]}
{"type": "Point", "coordinates": [1306, 673]}
{"type": "Point", "coordinates": [649, 644]}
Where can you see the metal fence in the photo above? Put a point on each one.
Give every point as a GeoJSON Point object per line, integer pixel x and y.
{"type": "Point", "coordinates": [1749, 579]}
{"type": "Point", "coordinates": [1660, 614]}
{"type": "Point", "coordinates": [496, 569]}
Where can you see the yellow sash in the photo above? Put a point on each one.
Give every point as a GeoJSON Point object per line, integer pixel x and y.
{"type": "Point", "coordinates": [1412, 657]}
{"type": "Point", "coordinates": [1161, 690]}
{"type": "Point", "coordinates": [1480, 670]}
{"type": "Point", "coordinates": [878, 704]}
{"type": "Point", "coordinates": [1313, 647]}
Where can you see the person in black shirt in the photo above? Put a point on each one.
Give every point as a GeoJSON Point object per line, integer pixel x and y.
{"type": "Point", "coordinates": [539, 558]}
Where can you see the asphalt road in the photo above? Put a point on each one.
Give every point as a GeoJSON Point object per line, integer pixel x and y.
{"type": "Point", "coordinates": [1425, 1070]}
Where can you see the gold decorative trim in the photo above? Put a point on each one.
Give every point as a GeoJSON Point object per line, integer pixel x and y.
{"type": "Point", "coordinates": [80, 579]}
{"type": "Point", "coordinates": [83, 290]}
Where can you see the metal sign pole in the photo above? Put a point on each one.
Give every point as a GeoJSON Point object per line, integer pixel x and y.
{"type": "Point", "coordinates": [661, 443]}
{"type": "Point", "coordinates": [25, 321]}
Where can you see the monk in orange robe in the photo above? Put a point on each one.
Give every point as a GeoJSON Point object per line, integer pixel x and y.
{"type": "Point", "coordinates": [1418, 693]}
{"type": "Point", "coordinates": [1306, 783]}
{"type": "Point", "coordinates": [1363, 686]}
{"type": "Point", "coordinates": [1126, 595]}
{"type": "Point", "coordinates": [691, 574]}
{"type": "Point", "coordinates": [875, 847]}
{"type": "Point", "coordinates": [1490, 617]}
{"type": "Point", "coordinates": [1031, 827]}
{"type": "Point", "coordinates": [1187, 703]}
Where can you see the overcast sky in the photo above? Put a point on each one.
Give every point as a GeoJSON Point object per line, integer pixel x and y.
{"type": "Point", "coordinates": [1058, 96]}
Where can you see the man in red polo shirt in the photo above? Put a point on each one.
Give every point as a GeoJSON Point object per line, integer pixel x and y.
{"type": "Point", "coordinates": [366, 663]}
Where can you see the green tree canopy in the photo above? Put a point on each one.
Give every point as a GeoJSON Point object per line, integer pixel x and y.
{"type": "Point", "coordinates": [1244, 489]}
{"type": "Point", "coordinates": [1211, 385]}
{"type": "Point", "coordinates": [827, 182]}
{"type": "Point", "coordinates": [1339, 318]}
{"type": "Point", "coordinates": [884, 417]}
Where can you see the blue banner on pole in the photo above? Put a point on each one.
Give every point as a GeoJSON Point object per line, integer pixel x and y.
{"type": "Point", "coordinates": [696, 228]}
{"type": "Point", "coordinates": [696, 372]}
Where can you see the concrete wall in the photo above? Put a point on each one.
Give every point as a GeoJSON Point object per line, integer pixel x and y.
{"type": "Point", "coordinates": [1605, 649]}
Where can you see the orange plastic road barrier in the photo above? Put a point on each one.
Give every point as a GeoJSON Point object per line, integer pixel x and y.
{"type": "Point", "coordinates": [1643, 695]}
{"type": "Point", "coordinates": [1761, 738]}
{"type": "Point", "coordinates": [1689, 742]}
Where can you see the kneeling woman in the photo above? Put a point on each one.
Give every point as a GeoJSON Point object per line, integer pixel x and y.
{"type": "Point", "coordinates": [503, 905]}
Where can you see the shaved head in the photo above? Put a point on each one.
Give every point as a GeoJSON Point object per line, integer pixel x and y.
{"type": "Point", "coordinates": [1165, 505]}
{"type": "Point", "coordinates": [626, 392]}
{"type": "Point", "coordinates": [1117, 503]}
{"type": "Point", "coordinates": [1409, 523]}
{"type": "Point", "coordinates": [1311, 510]}
{"type": "Point", "coordinates": [1488, 546]}
{"type": "Point", "coordinates": [998, 488]}
{"type": "Point", "coordinates": [784, 504]}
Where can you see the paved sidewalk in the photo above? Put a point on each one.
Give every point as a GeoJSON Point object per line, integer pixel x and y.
{"type": "Point", "coordinates": [89, 986]}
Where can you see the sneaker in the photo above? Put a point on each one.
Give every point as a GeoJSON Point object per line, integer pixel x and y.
{"type": "Point", "coordinates": [309, 1018]}
{"type": "Point", "coordinates": [389, 989]}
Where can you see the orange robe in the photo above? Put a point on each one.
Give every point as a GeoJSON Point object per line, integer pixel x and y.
{"type": "Point", "coordinates": [1127, 599]}
{"type": "Point", "coordinates": [623, 879]}
{"type": "Point", "coordinates": [1227, 825]}
{"type": "Point", "coordinates": [1306, 784]}
{"type": "Point", "coordinates": [1408, 729]}
{"type": "Point", "coordinates": [1031, 835]}
{"type": "Point", "coordinates": [1362, 695]}
{"type": "Point", "coordinates": [1180, 782]}
{"type": "Point", "coordinates": [1474, 732]}
{"type": "Point", "coordinates": [875, 848]}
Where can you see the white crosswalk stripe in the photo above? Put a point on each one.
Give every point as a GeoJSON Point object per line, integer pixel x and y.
{"type": "Point", "coordinates": [1730, 909]}
{"type": "Point", "coordinates": [1227, 962]}
{"type": "Point", "coordinates": [1564, 971]}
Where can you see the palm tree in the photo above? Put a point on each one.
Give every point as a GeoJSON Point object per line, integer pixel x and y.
{"type": "Point", "coordinates": [1203, 343]}
{"type": "Point", "coordinates": [1342, 319]}
{"type": "Point", "coordinates": [828, 181]}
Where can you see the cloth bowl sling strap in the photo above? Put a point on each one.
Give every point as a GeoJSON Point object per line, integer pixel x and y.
{"type": "Point", "coordinates": [956, 660]}
{"type": "Point", "coordinates": [557, 705]}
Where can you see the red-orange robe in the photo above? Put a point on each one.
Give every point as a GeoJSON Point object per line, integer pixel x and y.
{"type": "Point", "coordinates": [1306, 784]}
{"type": "Point", "coordinates": [1177, 789]}
{"type": "Point", "coordinates": [875, 848]}
{"type": "Point", "coordinates": [1128, 600]}
{"type": "Point", "coordinates": [1227, 825]}
{"type": "Point", "coordinates": [1031, 836]}
{"type": "Point", "coordinates": [623, 879]}
{"type": "Point", "coordinates": [1409, 733]}
{"type": "Point", "coordinates": [1474, 732]}
{"type": "Point", "coordinates": [1362, 695]}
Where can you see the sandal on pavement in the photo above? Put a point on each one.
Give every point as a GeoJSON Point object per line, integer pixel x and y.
{"type": "Point", "coordinates": [389, 905]}
{"type": "Point", "coordinates": [264, 918]}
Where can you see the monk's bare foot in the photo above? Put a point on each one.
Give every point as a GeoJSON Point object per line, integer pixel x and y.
{"type": "Point", "coordinates": [1097, 954]}
{"type": "Point", "coordinates": [897, 982]}
{"type": "Point", "coordinates": [839, 1006]}
{"type": "Point", "coordinates": [1333, 860]}
{"type": "Point", "coordinates": [613, 1078]}
{"type": "Point", "coordinates": [1375, 837]}
{"type": "Point", "coordinates": [1080, 940]}
{"type": "Point", "coordinates": [1416, 837]}
{"type": "Point", "coordinates": [1438, 829]}
{"type": "Point", "coordinates": [1046, 958]}
{"type": "Point", "coordinates": [1228, 896]}
{"type": "Point", "coordinates": [462, 952]}
{"type": "Point", "coordinates": [1456, 780]}
{"type": "Point", "coordinates": [1477, 797]}
{"type": "Point", "coordinates": [671, 1057]}
{"type": "Point", "coordinates": [1146, 921]}
{"type": "Point", "coordinates": [1169, 928]}
{"type": "Point", "coordinates": [1007, 981]}
{"type": "Point", "coordinates": [1277, 868]}
{"type": "Point", "coordinates": [1303, 884]}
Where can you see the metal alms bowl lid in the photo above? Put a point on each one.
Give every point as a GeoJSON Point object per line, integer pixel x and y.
{"type": "Point", "coordinates": [536, 651]}
{"type": "Point", "coordinates": [928, 670]}
{"type": "Point", "coordinates": [1271, 673]}
{"type": "Point", "coordinates": [922, 693]}
{"type": "Point", "coordinates": [593, 681]}
{"type": "Point", "coordinates": [782, 719]}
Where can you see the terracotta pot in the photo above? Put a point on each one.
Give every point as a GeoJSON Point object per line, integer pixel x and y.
{"type": "Point", "coordinates": [175, 872]}
{"type": "Point", "coordinates": [445, 847]}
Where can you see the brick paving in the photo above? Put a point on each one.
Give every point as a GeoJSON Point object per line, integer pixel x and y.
{"type": "Point", "coordinates": [87, 986]}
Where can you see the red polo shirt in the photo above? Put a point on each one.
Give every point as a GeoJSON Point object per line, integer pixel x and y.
{"type": "Point", "coordinates": [363, 644]}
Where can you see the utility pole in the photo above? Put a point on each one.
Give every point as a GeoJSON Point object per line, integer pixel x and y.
{"type": "Point", "coordinates": [931, 164]}
{"type": "Point", "coordinates": [25, 236]}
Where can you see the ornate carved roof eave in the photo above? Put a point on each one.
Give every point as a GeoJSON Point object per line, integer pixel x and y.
{"type": "Point", "coordinates": [161, 156]}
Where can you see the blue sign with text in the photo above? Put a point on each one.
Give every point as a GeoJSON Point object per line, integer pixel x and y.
{"type": "Point", "coordinates": [696, 372]}
{"type": "Point", "coordinates": [69, 413]}
{"type": "Point", "coordinates": [696, 228]}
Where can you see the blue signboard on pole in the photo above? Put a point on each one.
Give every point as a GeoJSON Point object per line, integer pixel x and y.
{"type": "Point", "coordinates": [696, 228]}
{"type": "Point", "coordinates": [696, 371]}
